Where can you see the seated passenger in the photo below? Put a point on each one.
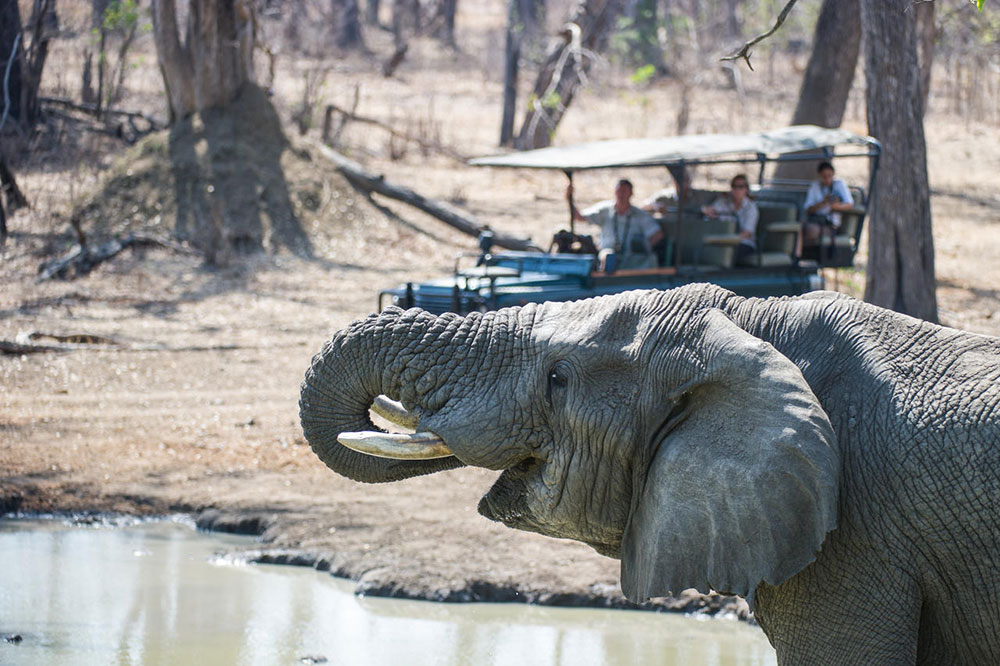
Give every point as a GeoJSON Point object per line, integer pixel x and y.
{"type": "Point", "coordinates": [738, 206]}
{"type": "Point", "coordinates": [826, 198]}
{"type": "Point", "coordinates": [626, 231]}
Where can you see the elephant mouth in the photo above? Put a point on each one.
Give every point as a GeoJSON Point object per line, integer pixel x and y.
{"type": "Point", "coordinates": [398, 446]}
{"type": "Point", "coordinates": [507, 501]}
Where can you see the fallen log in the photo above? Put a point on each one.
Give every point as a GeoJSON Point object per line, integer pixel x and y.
{"type": "Point", "coordinates": [9, 347]}
{"type": "Point", "coordinates": [81, 259]}
{"type": "Point", "coordinates": [369, 182]}
{"type": "Point", "coordinates": [36, 342]}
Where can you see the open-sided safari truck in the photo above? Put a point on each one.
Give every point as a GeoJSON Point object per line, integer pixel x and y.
{"type": "Point", "coordinates": [695, 248]}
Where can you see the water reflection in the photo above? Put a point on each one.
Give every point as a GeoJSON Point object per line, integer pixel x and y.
{"type": "Point", "coordinates": [153, 593]}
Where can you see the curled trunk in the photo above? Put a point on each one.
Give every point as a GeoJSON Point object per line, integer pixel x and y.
{"type": "Point", "coordinates": [370, 358]}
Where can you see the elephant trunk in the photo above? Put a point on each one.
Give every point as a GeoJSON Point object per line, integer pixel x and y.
{"type": "Point", "coordinates": [376, 356]}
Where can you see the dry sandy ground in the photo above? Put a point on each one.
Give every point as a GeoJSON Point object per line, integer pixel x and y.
{"type": "Point", "coordinates": [194, 406]}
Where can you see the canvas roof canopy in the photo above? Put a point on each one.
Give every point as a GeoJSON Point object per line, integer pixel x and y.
{"type": "Point", "coordinates": [688, 149]}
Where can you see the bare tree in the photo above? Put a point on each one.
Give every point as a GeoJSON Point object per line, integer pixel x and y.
{"type": "Point", "coordinates": [11, 59]}
{"type": "Point", "coordinates": [900, 273]}
{"type": "Point", "coordinates": [405, 20]}
{"type": "Point", "coordinates": [371, 12]}
{"type": "Point", "coordinates": [34, 40]}
{"type": "Point", "coordinates": [525, 21]}
{"type": "Point", "coordinates": [734, 26]}
{"type": "Point", "coordinates": [829, 74]}
{"type": "Point", "coordinates": [226, 191]}
{"type": "Point", "coordinates": [437, 19]}
{"type": "Point", "coordinates": [215, 60]}
{"type": "Point", "coordinates": [346, 24]}
{"type": "Point", "coordinates": [445, 20]}
{"type": "Point", "coordinates": [565, 69]}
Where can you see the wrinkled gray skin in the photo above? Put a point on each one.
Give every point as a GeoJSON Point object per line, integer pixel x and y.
{"type": "Point", "coordinates": [837, 463]}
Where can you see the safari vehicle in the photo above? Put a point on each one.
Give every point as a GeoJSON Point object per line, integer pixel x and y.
{"type": "Point", "coordinates": [696, 249]}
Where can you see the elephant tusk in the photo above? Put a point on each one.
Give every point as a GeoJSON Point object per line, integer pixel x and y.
{"type": "Point", "coordinates": [394, 412]}
{"type": "Point", "coordinates": [419, 446]}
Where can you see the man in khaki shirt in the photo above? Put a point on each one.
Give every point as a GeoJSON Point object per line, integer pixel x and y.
{"type": "Point", "coordinates": [627, 231]}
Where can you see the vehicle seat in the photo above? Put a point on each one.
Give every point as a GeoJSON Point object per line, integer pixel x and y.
{"type": "Point", "coordinates": [838, 251]}
{"type": "Point", "coordinates": [777, 234]}
{"type": "Point", "coordinates": [709, 242]}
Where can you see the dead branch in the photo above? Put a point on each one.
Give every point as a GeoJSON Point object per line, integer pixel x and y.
{"type": "Point", "coordinates": [395, 60]}
{"type": "Point", "coordinates": [332, 137]}
{"type": "Point", "coordinates": [81, 259]}
{"type": "Point", "coordinates": [744, 52]}
{"type": "Point", "coordinates": [369, 182]}
{"type": "Point", "coordinates": [424, 145]}
{"type": "Point", "coordinates": [91, 109]}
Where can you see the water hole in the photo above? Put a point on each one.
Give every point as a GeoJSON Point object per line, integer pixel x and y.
{"type": "Point", "coordinates": [159, 592]}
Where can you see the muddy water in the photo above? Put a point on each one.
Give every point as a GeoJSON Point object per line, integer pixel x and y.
{"type": "Point", "coordinates": [157, 593]}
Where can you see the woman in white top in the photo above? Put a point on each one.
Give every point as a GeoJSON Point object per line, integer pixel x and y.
{"type": "Point", "coordinates": [737, 205]}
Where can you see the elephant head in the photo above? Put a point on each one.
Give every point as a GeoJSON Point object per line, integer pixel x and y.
{"type": "Point", "coordinates": [647, 424]}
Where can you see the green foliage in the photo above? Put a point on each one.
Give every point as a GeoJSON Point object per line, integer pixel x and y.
{"type": "Point", "coordinates": [636, 39]}
{"type": "Point", "coordinates": [121, 15]}
{"type": "Point", "coordinates": [550, 101]}
{"type": "Point", "coordinates": [643, 74]}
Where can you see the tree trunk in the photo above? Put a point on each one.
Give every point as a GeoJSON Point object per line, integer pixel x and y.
{"type": "Point", "coordinates": [44, 24]}
{"type": "Point", "coordinates": [927, 34]}
{"type": "Point", "coordinates": [11, 61]}
{"type": "Point", "coordinates": [13, 196]}
{"type": "Point", "coordinates": [228, 181]}
{"type": "Point", "coordinates": [371, 12]}
{"type": "Point", "coordinates": [734, 26]}
{"type": "Point", "coordinates": [512, 63]}
{"type": "Point", "coordinates": [97, 11]}
{"type": "Point", "coordinates": [445, 21]}
{"type": "Point", "coordinates": [564, 68]}
{"type": "Point", "coordinates": [900, 272]}
{"type": "Point", "coordinates": [216, 58]}
{"type": "Point", "coordinates": [405, 20]}
{"type": "Point", "coordinates": [524, 26]}
{"type": "Point", "coordinates": [347, 24]}
{"type": "Point", "coordinates": [12, 199]}
{"type": "Point", "coordinates": [829, 75]}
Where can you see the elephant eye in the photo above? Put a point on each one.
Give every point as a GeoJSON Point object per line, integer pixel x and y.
{"type": "Point", "coordinates": [558, 379]}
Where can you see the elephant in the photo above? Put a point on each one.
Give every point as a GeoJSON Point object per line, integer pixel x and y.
{"type": "Point", "coordinates": [834, 462]}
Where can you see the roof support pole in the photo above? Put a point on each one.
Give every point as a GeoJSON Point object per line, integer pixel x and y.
{"type": "Point", "coordinates": [572, 218]}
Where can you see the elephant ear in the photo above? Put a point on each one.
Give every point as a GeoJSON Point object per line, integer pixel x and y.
{"type": "Point", "coordinates": [744, 488]}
